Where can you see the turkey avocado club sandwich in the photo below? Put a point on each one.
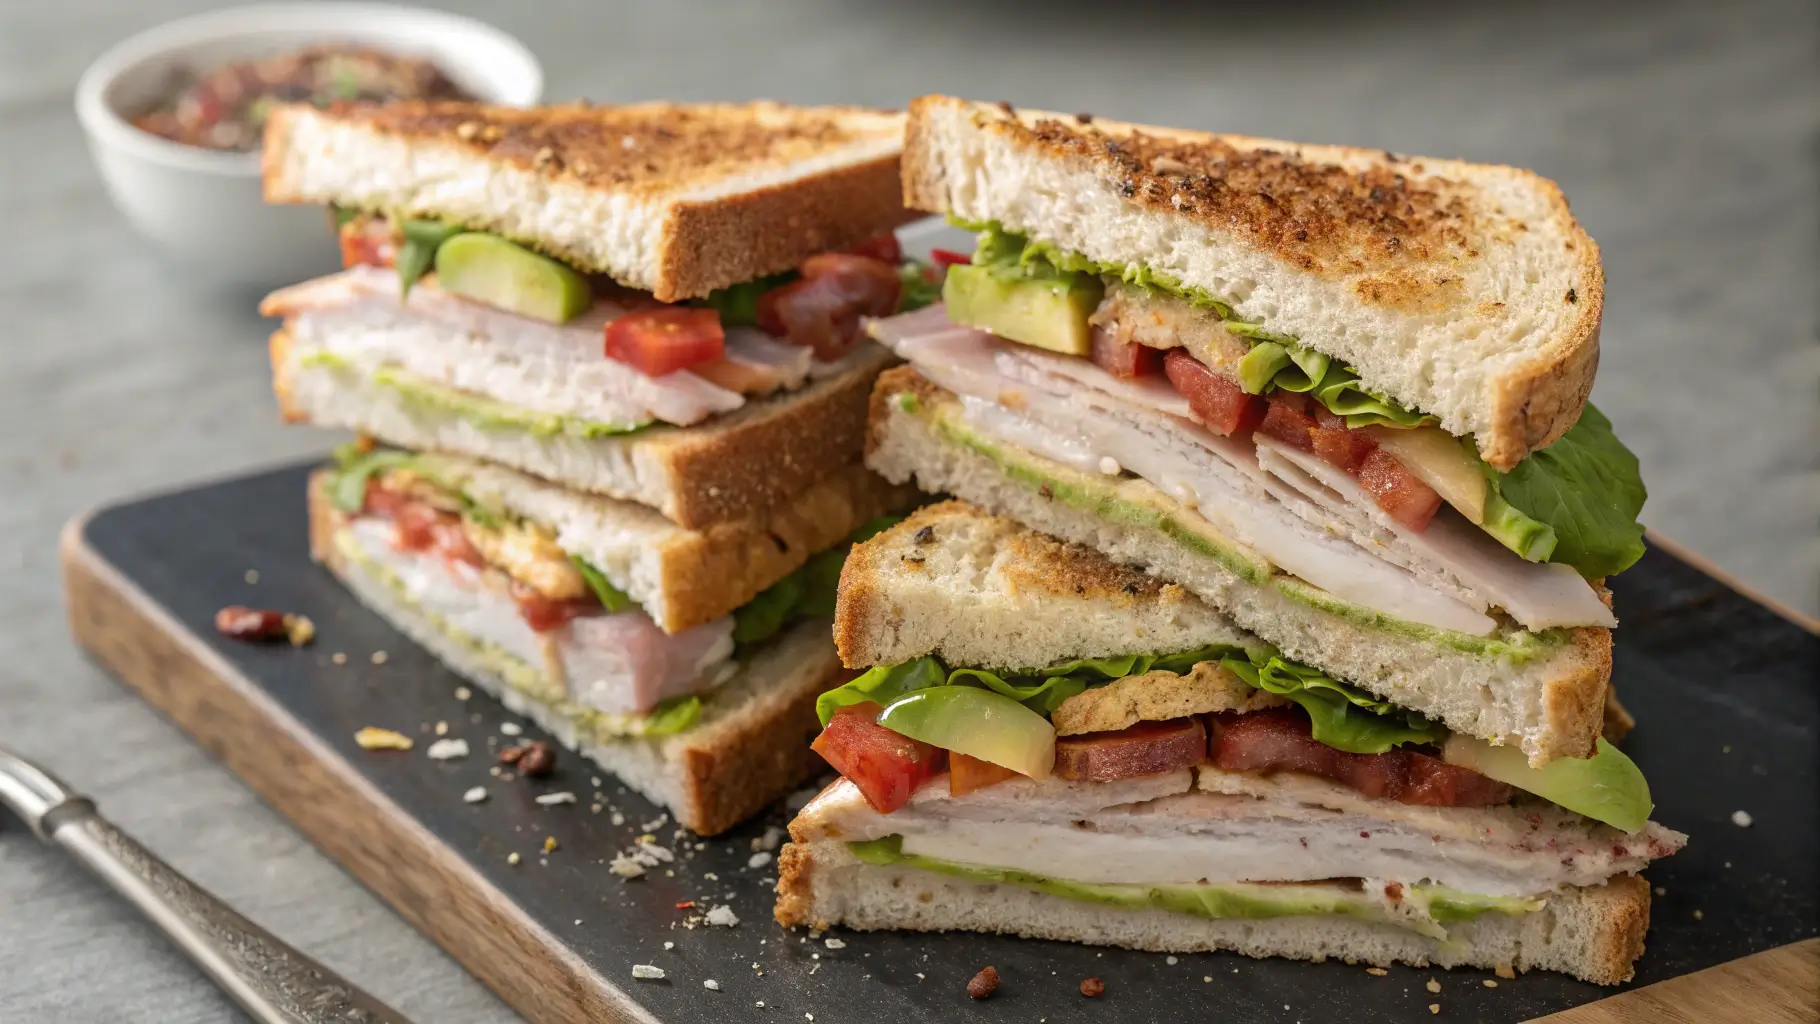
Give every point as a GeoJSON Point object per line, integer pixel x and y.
{"type": "Point", "coordinates": [685, 662]}
{"type": "Point", "coordinates": [1338, 393]}
{"type": "Point", "coordinates": [659, 303]}
{"type": "Point", "coordinates": [1048, 744]}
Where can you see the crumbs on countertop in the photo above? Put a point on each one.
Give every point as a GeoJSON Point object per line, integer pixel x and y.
{"type": "Point", "coordinates": [374, 738]}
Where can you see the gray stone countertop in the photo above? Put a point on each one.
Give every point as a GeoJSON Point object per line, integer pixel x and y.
{"type": "Point", "coordinates": [1683, 133]}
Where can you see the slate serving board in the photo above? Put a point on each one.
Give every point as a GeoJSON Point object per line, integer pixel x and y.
{"type": "Point", "coordinates": [1725, 691]}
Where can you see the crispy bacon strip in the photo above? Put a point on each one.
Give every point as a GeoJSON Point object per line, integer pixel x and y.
{"type": "Point", "coordinates": [1278, 740]}
{"type": "Point", "coordinates": [1147, 748]}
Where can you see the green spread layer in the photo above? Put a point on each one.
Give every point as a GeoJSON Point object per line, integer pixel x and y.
{"type": "Point", "coordinates": [1424, 908]}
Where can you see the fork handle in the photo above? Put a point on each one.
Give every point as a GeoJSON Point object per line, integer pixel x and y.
{"type": "Point", "coordinates": [272, 982]}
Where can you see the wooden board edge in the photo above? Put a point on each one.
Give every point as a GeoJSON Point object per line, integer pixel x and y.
{"type": "Point", "coordinates": [343, 814]}
{"type": "Point", "coordinates": [1776, 986]}
{"type": "Point", "coordinates": [1682, 552]}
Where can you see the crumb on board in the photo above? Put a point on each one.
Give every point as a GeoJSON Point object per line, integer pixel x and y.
{"type": "Point", "coordinates": [463, 693]}
{"type": "Point", "coordinates": [299, 630]}
{"type": "Point", "coordinates": [339, 657]}
{"type": "Point", "coordinates": [646, 972]}
{"type": "Point", "coordinates": [553, 799]}
{"type": "Point", "coordinates": [475, 795]}
{"type": "Point", "coordinates": [511, 729]}
{"type": "Point", "coordinates": [1490, 983]}
{"type": "Point", "coordinates": [252, 576]}
{"type": "Point", "coordinates": [447, 749]}
{"type": "Point", "coordinates": [722, 916]}
{"type": "Point", "coordinates": [1742, 819]}
{"type": "Point", "coordinates": [1376, 972]}
{"type": "Point", "coordinates": [512, 858]}
{"type": "Point", "coordinates": [374, 738]}
{"type": "Point", "coordinates": [758, 860]}
{"type": "Point", "coordinates": [833, 943]}
{"type": "Point", "coordinates": [1505, 971]}
{"type": "Point", "coordinates": [711, 985]}
{"type": "Point", "coordinates": [1434, 1008]}
{"type": "Point", "coordinates": [1433, 986]}
{"type": "Point", "coordinates": [380, 657]}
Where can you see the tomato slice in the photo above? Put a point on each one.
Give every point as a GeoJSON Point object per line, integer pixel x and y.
{"type": "Point", "coordinates": [1398, 491]}
{"type": "Point", "coordinates": [884, 248]}
{"type": "Point", "coordinates": [1222, 406]}
{"type": "Point", "coordinates": [945, 258]}
{"type": "Point", "coordinates": [449, 538]}
{"type": "Point", "coordinates": [1340, 446]}
{"type": "Point", "coordinates": [368, 241]}
{"type": "Point", "coordinates": [1287, 422]}
{"type": "Point", "coordinates": [966, 774]}
{"type": "Point", "coordinates": [885, 766]}
{"type": "Point", "coordinates": [822, 310]}
{"type": "Point", "coordinates": [1125, 358]}
{"type": "Point", "coordinates": [664, 339]}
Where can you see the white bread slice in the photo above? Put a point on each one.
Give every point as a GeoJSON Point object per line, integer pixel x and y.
{"type": "Point", "coordinates": [980, 591]}
{"type": "Point", "coordinates": [681, 577]}
{"type": "Point", "coordinates": [750, 747]}
{"type": "Point", "coordinates": [677, 199]}
{"type": "Point", "coordinates": [757, 458]}
{"type": "Point", "coordinates": [1595, 933]}
{"type": "Point", "coordinates": [1544, 693]}
{"type": "Point", "coordinates": [1467, 291]}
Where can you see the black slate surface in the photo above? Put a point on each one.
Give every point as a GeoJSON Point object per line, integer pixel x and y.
{"type": "Point", "coordinates": [1726, 694]}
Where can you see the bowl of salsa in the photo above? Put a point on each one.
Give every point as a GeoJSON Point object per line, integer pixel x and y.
{"type": "Point", "coordinates": [174, 116]}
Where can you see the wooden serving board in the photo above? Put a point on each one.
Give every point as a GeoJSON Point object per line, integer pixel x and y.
{"type": "Point", "coordinates": [1723, 688]}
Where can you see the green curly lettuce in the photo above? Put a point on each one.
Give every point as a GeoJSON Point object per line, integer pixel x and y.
{"type": "Point", "coordinates": [612, 598]}
{"type": "Point", "coordinates": [1584, 491]}
{"type": "Point", "coordinates": [1344, 717]}
{"type": "Point", "coordinates": [354, 468]}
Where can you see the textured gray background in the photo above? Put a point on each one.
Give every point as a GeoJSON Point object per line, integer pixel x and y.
{"type": "Point", "coordinates": [1686, 135]}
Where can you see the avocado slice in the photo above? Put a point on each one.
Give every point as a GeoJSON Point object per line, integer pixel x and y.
{"type": "Point", "coordinates": [489, 269]}
{"type": "Point", "coordinates": [1045, 310]}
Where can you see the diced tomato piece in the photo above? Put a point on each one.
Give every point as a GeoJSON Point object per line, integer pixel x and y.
{"type": "Point", "coordinates": [741, 377]}
{"type": "Point", "coordinates": [543, 614]}
{"type": "Point", "coordinates": [1340, 446]}
{"type": "Point", "coordinates": [1398, 491]}
{"type": "Point", "coordinates": [886, 766]}
{"type": "Point", "coordinates": [966, 774]}
{"type": "Point", "coordinates": [664, 339]}
{"type": "Point", "coordinates": [1286, 422]}
{"type": "Point", "coordinates": [415, 524]}
{"type": "Point", "coordinates": [1125, 358]}
{"type": "Point", "coordinates": [945, 258]}
{"type": "Point", "coordinates": [1222, 406]}
{"type": "Point", "coordinates": [382, 501]}
{"type": "Point", "coordinates": [451, 540]}
{"type": "Point", "coordinates": [884, 248]}
{"type": "Point", "coordinates": [822, 310]}
{"type": "Point", "coordinates": [369, 241]}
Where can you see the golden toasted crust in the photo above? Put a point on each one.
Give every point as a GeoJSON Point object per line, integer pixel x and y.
{"type": "Point", "coordinates": [662, 154]}
{"type": "Point", "coordinates": [1403, 226]}
{"type": "Point", "coordinates": [278, 349]}
{"type": "Point", "coordinates": [1624, 906]}
{"type": "Point", "coordinates": [709, 572]}
{"type": "Point", "coordinates": [796, 887]}
{"type": "Point", "coordinates": [1158, 697]}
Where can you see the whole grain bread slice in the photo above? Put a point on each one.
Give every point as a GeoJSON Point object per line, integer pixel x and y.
{"type": "Point", "coordinates": [750, 747]}
{"type": "Point", "coordinates": [732, 468]}
{"type": "Point", "coordinates": [677, 199]}
{"type": "Point", "coordinates": [1467, 291]}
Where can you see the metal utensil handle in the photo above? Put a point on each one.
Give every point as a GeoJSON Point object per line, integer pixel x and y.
{"type": "Point", "coordinates": [272, 982]}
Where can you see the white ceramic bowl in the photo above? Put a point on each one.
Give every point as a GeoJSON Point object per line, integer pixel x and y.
{"type": "Point", "coordinates": [203, 205]}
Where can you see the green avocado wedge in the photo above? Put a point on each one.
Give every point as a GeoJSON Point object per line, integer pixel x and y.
{"type": "Point", "coordinates": [508, 276]}
{"type": "Point", "coordinates": [1048, 310]}
{"type": "Point", "coordinates": [976, 722]}
{"type": "Point", "coordinates": [1606, 787]}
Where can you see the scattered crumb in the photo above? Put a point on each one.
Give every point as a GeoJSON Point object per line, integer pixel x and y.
{"type": "Point", "coordinates": [758, 860]}
{"type": "Point", "coordinates": [447, 749]}
{"type": "Point", "coordinates": [442, 728]}
{"type": "Point", "coordinates": [1433, 986]}
{"type": "Point", "coordinates": [1376, 972]}
{"type": "Point", "coordinates": [654, 824]}
{"type": "Point", "coordinates": [1434, 1008]}
{"type": "Point", "coordinates": [552, 799]}
{"type": "Point", "coordinates": [511, 729]}
{"type": "Point", "coordinates": [1699, 915]}
{"type": "Point", "coordinates": [983, 984]}
{"type": "Point", "coordinates": [1741, 819]}
{"type": "Point", "coordinates": [617, 818]}
{"type": "Point", "coordinates": [833, 943]}
{"type": "Point", "coordinates": [711, 985]}
{"type": "Point", "coordinates": [1490, 983]}
{"type": "Point", "coordinates": [1093, 988]}
{"type": "Point", "coordinates": [252, 575]}
{"type": "Point", "coordinates": [1728, 865]}
{"type": "Point", "coordinates": [339, 658]}
{"type": "Point", "coordinates": [549, 844]}
{"type": "Point", "coordinates": [645, 972]}
{"type": "Point", "coordinates": [475, 795]}
{"type": "Point", "coordinates": [1726, 749]}
{"type": "Point", "coordinates": [380, 657]}
{"type": "Point", "coordinates": [593, 808]}
{"type": "Point", "coordinates": [1171, 961]}
{"type": "Point", "coordinates": [374, 738]}
{"type": "Point", "coordinates": [1661, 891]}
{"type": "Point", "coordinates": [1207, 978]}
{"type": "Point", "coordinates": [463, 693]}
{"type": "Point", "coordinates": [626, 867]}
{"type": "Point", "coordinates": [512, 858]}
{"type": "Point", "coordinates": [769, 841]}
{"type": "Point", "coordinates": [1506, 972]}
{"type": "Point", "coordinates": [299, 630]}
{"type": "Point", "coordinates": [669, 946]}
{"type": "Point", "coordinates": [722, 916]}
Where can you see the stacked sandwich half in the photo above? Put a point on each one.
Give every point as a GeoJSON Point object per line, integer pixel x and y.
{"type": "Point", "coordinates": [1332, 404]}
{"type": "Point", "coordinates": [607, 366]}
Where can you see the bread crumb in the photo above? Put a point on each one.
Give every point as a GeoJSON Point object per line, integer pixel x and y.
{"type": "Point", "coordinates": [1490, 983]}
{"type": "Point", "coordinates": [511, 729]}
{"type": "Point", "coordinates": [722, 916]}
{"type": "Point", "coordinates": [1434, 1008]}
{"type": "Point", "coordinates": [1699, 915]}
{"type": "Point", "coordinates": [475, 795]}
{"type": "Point", "coordinates": [834, 943]}
{"type": "Point", "coordinates": [1433, 986]}
{"type": "Point", "coordinates": [1207, 978]}
{"type": "Point", "coordinates": [512, 858]}
{"type": "Point", "coordinates": [646, 972]}
{"type": "Point", "coordinates": [1741, 819]}
{"type": "Point", "coordinates": [1171, 961]}
{"type": "Point", "coordinates": [1376, 972]}
{"type": "Point", "coordinates": [1661, 890]}
{"type": "Point", "coordinates": [299, 630]}
{"type": "Point", "coordinates": [626, 867]}
{"type": "Point", "coordinates": [711, 985]}
{"type": "Point", "coordinates": [758, 860]}
{"type": "Point", "coordinates": [1505, 971]}
{"type": "Point", "coordinates": [339, 658]}
{"type": "Point", "coordinates": [379, 657]}
{"type": "Point", "coordinates": [374, 738]}
{"type": "Point", "coordinates": [463, 693]}
{"type": "Point", "coordinates": [252, 575]}
{"type": "Point", "coordinates": [552, 799]}
{"type": "Point", "coordinates": [447, 749]}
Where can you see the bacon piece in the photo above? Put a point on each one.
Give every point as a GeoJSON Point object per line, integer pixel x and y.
{"type": "Point", "coordinates": [368, 241]}
{"type": "Point", "coordinates": [1398, 491]}
{"type": "Point", "coordinates": [1288, 420]}
{"type": "Point", "coordinates": [1125, 359]}
{"type": "Point", "coordinates": [1277, 739]}
{"type": "Point", "coordinates": [1147, 748]}
{"type": "Point", "coordinates": [1217, 400]}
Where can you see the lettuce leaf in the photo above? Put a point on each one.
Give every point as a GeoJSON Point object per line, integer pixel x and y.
{"type": "Point", "coordinates": [418, 253]}
{"type": "Point", "coordinates": [807, 593]}
{"type": "Point", "coordinates": [919, 285]}
{"type": "Point", "coordinates": [672, 716]}
{"type": "Point", "coordinates": [613, 599]}
{"type": "Point", "coordinates": [1276, 360]}
{"type": "Point", "coordinates": [737, 304]}
{"type": "Point", "coordinates": [354, 468]}
{"type": "Point", "coordinates": [1586, 489]}
{"type": "Point", "coordinates": [1344, 717]}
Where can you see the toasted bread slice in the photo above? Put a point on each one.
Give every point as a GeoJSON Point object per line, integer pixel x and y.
{"type": "Point", "coordinates": [1594, 933]}
{"type": "Point", "coordinates": [681, 577]}
{"type": "Point", "coordinates": [1466, 291]}
{"type": "Point", "coordinates": [1544, 692]}
{"type": "Point", "coordinates": [730, 469]}
{"type": "Point", "coordinates": [750, 747]}
{"type": "Point", "coordinates": [678, 199]}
